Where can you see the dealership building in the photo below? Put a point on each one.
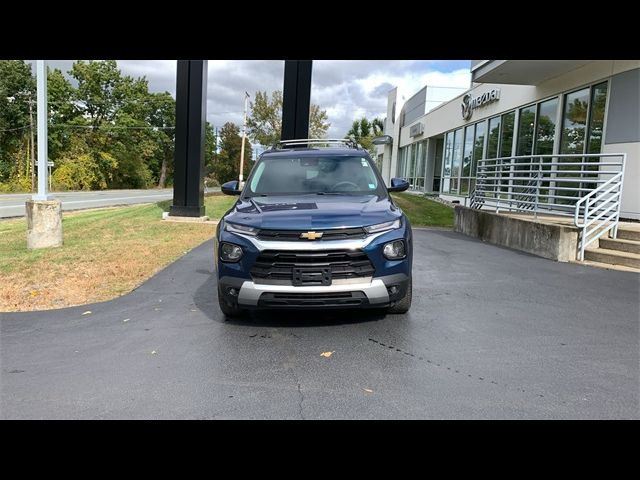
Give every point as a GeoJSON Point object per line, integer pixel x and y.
{"type": "Point", "coordinates": [518, 108]}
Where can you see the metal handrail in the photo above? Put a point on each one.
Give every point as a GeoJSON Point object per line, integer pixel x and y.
{"type": "Point", "coordinates": [593, 226]}
{"type": "Point", "coordinates": [591, 192]}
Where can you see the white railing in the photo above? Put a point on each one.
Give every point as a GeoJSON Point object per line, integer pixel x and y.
{"type": "Point", "coordinates": [599, 211]}
{"type": "Point", "coordinates": [586, 187]}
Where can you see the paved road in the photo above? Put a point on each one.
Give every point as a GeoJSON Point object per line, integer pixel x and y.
{"type": "Point", "coordinates": [493, 333]}
{"type": "Point", "coordinates": [12, 205]}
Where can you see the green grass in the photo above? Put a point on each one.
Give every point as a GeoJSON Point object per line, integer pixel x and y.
{"type": "Point", "coordinates": [423, 212]}
{"type": "Point", "coordinates": [106, 252]}
{"type": "Point", "coordinates": [215, 205]}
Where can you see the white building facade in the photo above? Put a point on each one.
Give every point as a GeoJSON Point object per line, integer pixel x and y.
{"type": "Point", "coordinates": [513, 108]}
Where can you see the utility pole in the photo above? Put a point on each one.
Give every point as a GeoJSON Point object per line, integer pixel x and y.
{"type": "Point", "coordinates": [33, 154]}
{"type": "Point", "coordinates": [244, 136]}
{"type": "Point", "coordinates": [44, 214]}
{"type": "Point", "coordinates": [43, 153]}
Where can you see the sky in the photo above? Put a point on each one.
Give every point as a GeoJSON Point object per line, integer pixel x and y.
{"type": "Point", "coordinates": [346, 89]}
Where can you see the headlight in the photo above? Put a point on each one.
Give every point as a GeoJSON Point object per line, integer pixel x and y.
{"type": "Point", "coordinates": [394, 250]}
{"type": "Point", "coordinates": [381, 227]}
{"type": "Point", "coordinates": [235, 228]}
{"type": "Point", "coordinates": [230, 252]}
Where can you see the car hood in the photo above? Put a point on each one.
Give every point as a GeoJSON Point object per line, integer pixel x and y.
{"type": "Point", "coordinates": [312, 212]}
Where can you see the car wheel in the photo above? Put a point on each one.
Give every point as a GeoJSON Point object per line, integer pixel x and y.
{"type": "Point", "coordinates": [231, 311]}
{"type": "Point", "coordinates": [402, 306]}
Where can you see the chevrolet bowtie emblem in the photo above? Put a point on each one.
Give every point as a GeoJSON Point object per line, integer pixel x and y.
{"type": "Point", "coordinates": [311, 235]}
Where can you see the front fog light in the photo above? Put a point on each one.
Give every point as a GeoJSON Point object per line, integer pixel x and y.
{"type": "Point", "coordinates": [230, 252]}
{"type": "Point", "coordinates": [394, 250]}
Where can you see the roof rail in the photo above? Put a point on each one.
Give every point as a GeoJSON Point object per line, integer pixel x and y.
{"type": "Point", "coordinates": [307, 142]}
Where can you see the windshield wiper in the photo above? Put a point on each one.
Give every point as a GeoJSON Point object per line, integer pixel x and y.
{"type": "Point", "coordinates": [331, 193]}
{"type": "Point", "coordinates": [256, 195]}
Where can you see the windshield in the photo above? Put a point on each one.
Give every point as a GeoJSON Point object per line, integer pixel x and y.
{"type": "Point", "coordinates": [310, 174]}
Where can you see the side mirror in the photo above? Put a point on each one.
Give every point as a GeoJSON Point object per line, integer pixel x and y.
{"type": "Point", "coordinates": [398, 185]}
{"type": "Point", "coordinates": [231, 188]}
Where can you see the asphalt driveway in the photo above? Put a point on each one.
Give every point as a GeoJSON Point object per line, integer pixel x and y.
{"type": "Point", "coordinates": [493, 333]}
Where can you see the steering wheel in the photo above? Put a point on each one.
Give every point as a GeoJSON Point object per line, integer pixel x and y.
{"type": "Point", "coordinates": [346, 182]}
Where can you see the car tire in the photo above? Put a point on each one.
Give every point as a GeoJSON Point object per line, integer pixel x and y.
{"type": "Point", "coordinates": [231, 311]}
{"type": "Point", "coordinates": [402, 306]}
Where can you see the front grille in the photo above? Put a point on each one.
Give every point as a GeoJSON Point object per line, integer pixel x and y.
{"type": "Point", "coordinates": [283, 265]}
{"type": "Point", "coordinates": [294, 235]}
{"type": "Point", "coordinates": [338, 299]}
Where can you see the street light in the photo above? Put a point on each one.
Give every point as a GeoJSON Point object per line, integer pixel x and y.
{"type": "Point", "coordinates": [244, 136]}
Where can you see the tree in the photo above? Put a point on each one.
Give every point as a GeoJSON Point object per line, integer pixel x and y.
{"type": "Point", "coordinates": [364, 131]}
{"type": "Point", "coordinates": [162, 116]}
{"type": "Point", "coordinates": [210, 148]}
{"type": "Point", "coordinates": [117, 112]}
{"type": "Point", "coordinates": [62, 112]}
{"type": "Point", "coordinates": [264, 123]}
{"type": "Point", "coordinates": [226, 165]}
{"type": "Point", "coordinates": [17, 89]}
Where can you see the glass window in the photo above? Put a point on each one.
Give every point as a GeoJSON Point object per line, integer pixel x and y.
{"type": "Point", "coordinates": [546, 128]}
{"type": "Point", "coordinates": [454, 186]}
{"type": "Point", "coordinates": [574, 121]}
{"type": "Point", "coordinates": [506, 138]}
{"type": "Point", "coordinates": [412, 160]}
{"type": "Point", "coordinates": [526, 125]}
{"type": "Point", "coordinates": [464, 186]}
{"type": "Point", "coordinates": [401, 162]}
{"type": "Point", "coordinates": [478, 146]}
{"type": "Point", "coordinates": [598, 101]}
{"type": "Point", "coordinates": [467, 155]}
{"type": "Point", "coordinates": [494, 137]}
{"type": "Point", "coordinates": [420, 158]}
{"type": "Point", "coordinates": [448, 155]}
{"type": "Point", "coordinates": [445, 185]}
{"type": "Point", "coordinates": [457, 153]}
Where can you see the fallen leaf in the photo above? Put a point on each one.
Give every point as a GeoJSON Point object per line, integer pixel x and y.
{"type": "Point", "coordinates": [153, 352]}
{"type": "Point", "coordinates": [87, 312]}
{"type": "Point", "coordinates": [326, 354]}
{"type": "Point", "coordinates": [126, 319]}
{"type": "Point", "coordinates": [368, 390]}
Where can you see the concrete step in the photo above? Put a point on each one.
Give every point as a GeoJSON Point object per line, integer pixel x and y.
{"type": "Point", "coordinates": [629, 234]}
{"type": "Point", "coordinates": [609, 266]}
{"type": "Point", "coordinates": [620, 245]}
{"type": "Point", "coordinates": [615, 257]}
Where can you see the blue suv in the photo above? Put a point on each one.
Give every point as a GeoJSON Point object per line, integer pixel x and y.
{"type": "Point", "coordinates": [314, 227]}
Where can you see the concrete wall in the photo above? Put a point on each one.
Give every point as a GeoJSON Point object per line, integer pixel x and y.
{"type": "Point", "coordinates": [547, 240]}
{"type": "Point", "coordinates": [631, 183]}
{"type": "Point", "coordinates": [623, 111]}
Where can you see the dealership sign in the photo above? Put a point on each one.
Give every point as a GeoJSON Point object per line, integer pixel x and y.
{"type": "Point", "coordinates": [417, 129]}
{"type": "Point", "coordinates": [470, 103]}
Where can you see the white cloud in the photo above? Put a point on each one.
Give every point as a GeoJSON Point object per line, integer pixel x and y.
{"type": "Point", "coordinates": [346, 89]}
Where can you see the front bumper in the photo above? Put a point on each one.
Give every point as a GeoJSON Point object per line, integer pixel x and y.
{"type": "Point", "coordinates": [376, 292]}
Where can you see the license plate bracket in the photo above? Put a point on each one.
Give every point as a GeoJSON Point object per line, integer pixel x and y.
{"type": "Point", "coordinates": [311, 276]}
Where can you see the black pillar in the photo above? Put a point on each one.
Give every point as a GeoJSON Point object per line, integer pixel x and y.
{"type": "Point", "coordinates": [296, 97]}
{"type": "Point", "coordinates": [191, 112]}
